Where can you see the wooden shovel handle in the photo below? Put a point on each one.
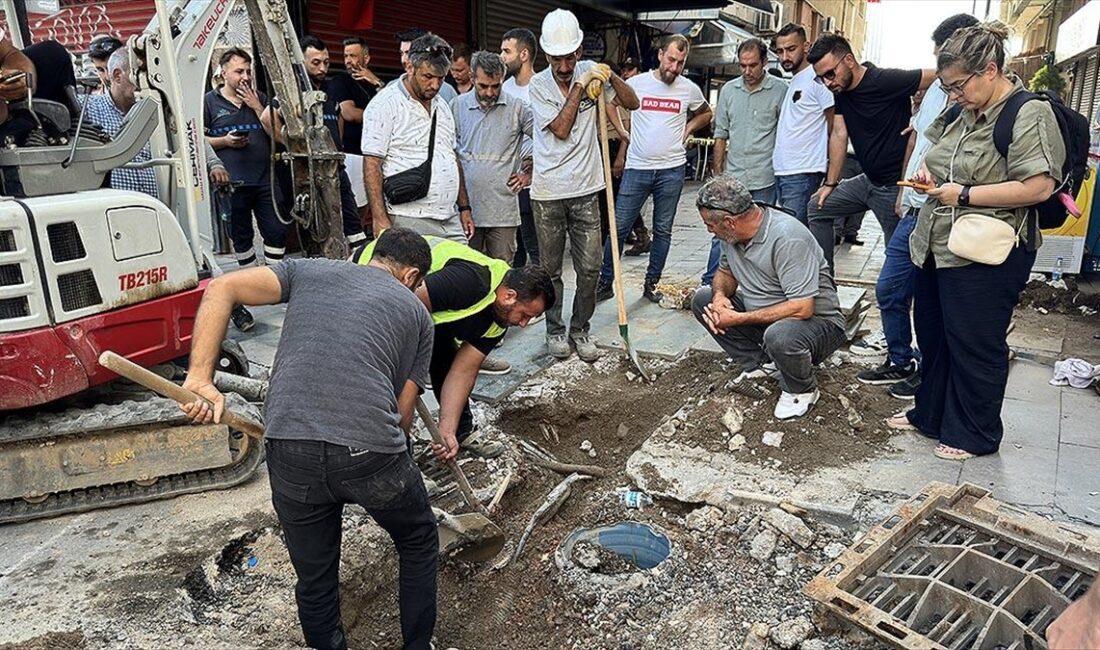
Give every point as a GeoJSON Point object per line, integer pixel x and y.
{"type": "Point", "coordinates": [456, 471]}
{"type": "Point", "coordinates": [620, 299]}
{"type": "Point", "coordinates": [122, 366]}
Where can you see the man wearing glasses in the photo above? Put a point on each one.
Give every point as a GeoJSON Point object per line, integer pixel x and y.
{"type": "Point", "coordinates": [873, 106]}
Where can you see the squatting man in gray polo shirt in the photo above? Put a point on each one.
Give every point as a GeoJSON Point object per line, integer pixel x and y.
{"type": "Point", "coordinates": [772, 306]}
{"type": "Point", "coordinates": [353, 357]}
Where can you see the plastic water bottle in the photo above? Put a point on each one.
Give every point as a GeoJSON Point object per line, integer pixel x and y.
{"type": "Point", "coordinates": [1056, 273]}
{"type": "Point", "coordinates": [635, 499]}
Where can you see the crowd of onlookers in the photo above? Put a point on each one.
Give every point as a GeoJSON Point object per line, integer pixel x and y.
{"type": "Point", "coordinates": [479, 148]}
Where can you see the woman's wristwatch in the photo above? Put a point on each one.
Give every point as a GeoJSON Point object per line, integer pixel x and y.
{"type": "Point", "coordinates": [964, 196]}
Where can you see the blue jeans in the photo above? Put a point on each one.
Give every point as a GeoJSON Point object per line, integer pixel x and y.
{"type": "Point", "coordinates": [665, 185]}
{"type": "Point", "coordinates": [765, 195]}
{"type": "Point", "coordinates": [794, 192]}
{"type": "Point", "coordinates": [894, 292]}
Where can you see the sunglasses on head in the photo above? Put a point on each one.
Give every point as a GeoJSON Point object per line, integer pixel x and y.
{"type": "Point", "coordinates": [435, 50]}
{"type": "Point", "coordinates": [104, 47]}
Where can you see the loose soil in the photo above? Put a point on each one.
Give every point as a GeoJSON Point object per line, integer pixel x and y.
{"type": "Point", "coordinates": [1062, 301]}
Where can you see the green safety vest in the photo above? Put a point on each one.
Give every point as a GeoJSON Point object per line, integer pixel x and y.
{"type": "Point", "coordinates": [445, 250]}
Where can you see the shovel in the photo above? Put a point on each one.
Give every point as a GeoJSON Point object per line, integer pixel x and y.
{"type": "Point", "coordinates": [624, 326]}
{"type": "Point", "coordinates": [477, 537]}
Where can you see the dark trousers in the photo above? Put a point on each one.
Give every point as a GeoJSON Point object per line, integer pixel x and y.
{"type": "Point", "coordinates": [793, 345]}
{"type": "Point", "coordinates": [853, 196]}
{"type": "Point", "coordinates": [353, 226]}
{"type": "Point", "coordinates": [961, 316]}
{"type": "Point", "coordinates": [443, 357]}
{"type": "Point", "coordinates": [527, 239]}
{"type": "Point", "coordinates": [310, 483]}
{"type": "Point", "coordinates": [249, 200]}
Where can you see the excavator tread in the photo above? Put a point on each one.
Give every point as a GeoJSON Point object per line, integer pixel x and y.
{"type": "Point", "coordinates": [129, 413]}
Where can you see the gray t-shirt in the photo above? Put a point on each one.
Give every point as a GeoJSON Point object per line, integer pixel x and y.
{"type": "Point", "coordinates": [782, 262]}
{"type": "Point", "coordinates": [352, 336]}
{"type": "Point", "coordinates": [565, 169]}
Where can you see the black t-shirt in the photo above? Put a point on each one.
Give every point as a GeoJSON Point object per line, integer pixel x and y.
{"type": "Point", "coordinates": [249, 165]}
{"type": "Point", "coordinates": [458, 285]}
{"type": "Point", "coordinates": [343, 87]}
{"type": "Point", "coordinates": [875, 113]}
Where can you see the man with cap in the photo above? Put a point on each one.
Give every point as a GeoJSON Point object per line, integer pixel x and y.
{"type": "Point", "coordinates": [772, 306]}
{"type": "Point", "coordinates": [568, 173]}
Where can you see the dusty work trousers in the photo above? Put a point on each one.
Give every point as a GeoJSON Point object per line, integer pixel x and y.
{"type": "Point", "coordinates": [496, 242]}
{"type": "Point", "coordinates": [579, 219]}
{"type": "Point", "coordinates": [961, 316]}
{"type": "Point", "coordinates": [793, 345]}
{"type": "Point", "coordinates": [310, 483]}
{"type": "Point", "coordinates": [853, 195]}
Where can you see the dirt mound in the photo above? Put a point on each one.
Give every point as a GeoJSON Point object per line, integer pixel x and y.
{"type": "Point", "coordinates": [1063, 301]}
{"type": "Point", "coordinates": [50, 641]}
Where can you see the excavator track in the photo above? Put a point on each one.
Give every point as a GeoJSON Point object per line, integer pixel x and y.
{"type": "Point", "coordinates": [147, 424]}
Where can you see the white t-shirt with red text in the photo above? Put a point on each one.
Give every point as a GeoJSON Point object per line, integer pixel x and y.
{"type": "Point", "coordinates": [657, 127]}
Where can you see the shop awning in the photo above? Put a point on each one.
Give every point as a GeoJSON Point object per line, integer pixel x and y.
{"type": "Point", "coordinates": [636, 8]}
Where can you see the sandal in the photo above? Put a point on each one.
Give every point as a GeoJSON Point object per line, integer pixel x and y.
{"type": "Point", "coordinates": [951, 453]}
{"type": "Point", "coordinates": [900, 422]}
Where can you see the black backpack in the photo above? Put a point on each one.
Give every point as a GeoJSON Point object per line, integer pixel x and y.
{"type": "Point", "coordinates": [1074, 128]}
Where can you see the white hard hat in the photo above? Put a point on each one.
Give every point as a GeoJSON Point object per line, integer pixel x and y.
{"type": "Point", "coordinates": [561, 33]}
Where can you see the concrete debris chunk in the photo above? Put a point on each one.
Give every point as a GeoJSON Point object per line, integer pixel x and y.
{"type": "Point", "coordinates": [773, 438]}
{"type": "Point", "coordinates": [789, 634]}
{"type": "Point", "coordinates": [586, 445]}
{"type": "Point", "coordinates": [792, 527]}
{"type": "Point", "coordinates": [813, 644]}
{"type": "Point", "coordinates": [733, 419]}
{"type": "Point", "coordinates": [833, 550]}
{"type": "Point", "coordinates": [736, 443]}
{"type": "Point", "coordinates": [763, 545]}
{"type": "Point", "coordinates": [757, 638]}
{"type": "Point", "coordinates": [704, 519]}
{"type": "Point", "coordinates": [784, 563]}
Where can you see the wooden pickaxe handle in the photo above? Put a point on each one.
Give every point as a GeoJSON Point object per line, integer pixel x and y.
{"type": "Point", "coordinates": [122, 366]}
{"type": "Point", "coordinates": [456, 471]}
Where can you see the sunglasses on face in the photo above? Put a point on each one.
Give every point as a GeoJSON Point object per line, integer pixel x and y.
{"type": "Point", "coordinates": [828, 75]}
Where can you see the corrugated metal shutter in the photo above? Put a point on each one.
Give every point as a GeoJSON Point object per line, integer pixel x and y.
{"type": "Point", "coordinates": [446, 18]}
{"type": "Point", "coordinates": [78, 21]}
{"type": "Point", "coordinates": [1088, 95]}
{"type": "Point", "coordinates": [499, 16]}
{"type": "Point", "coordinates": [1078, 85]}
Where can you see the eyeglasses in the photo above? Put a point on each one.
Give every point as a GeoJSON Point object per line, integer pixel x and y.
{"type": "Point", "coordinates": [829, 75]}
{"type": "Point", "coordinates": [957, 87]}
{"type": "Point", "coordinates": [435, 50]}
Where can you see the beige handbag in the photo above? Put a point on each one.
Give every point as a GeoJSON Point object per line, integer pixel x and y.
{"type": "Point", "coordinates": [982, 239]}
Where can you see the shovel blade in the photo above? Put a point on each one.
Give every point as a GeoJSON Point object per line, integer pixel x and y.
{"type": "Point", "coordinates": [471, 537]}
{"type": "Point", "coordinates": [633, 354]}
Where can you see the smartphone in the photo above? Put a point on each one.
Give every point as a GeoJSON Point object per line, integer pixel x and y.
{"type": "Point", "coordinates": [917, 186]}
{"type": "Point", "coordinates": [12, 77]}
{"type": "Point", "coordinates": [239, 133]}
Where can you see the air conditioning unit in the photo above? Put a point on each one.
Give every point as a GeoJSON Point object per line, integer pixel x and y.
{"type": "Point", "coordinates": [770, 23]}
{"type": "Point", "coordinates": [829, 24]}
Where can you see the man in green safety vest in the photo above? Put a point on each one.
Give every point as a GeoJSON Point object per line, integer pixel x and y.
{"type": "Point", "coordinates": [473, 299]}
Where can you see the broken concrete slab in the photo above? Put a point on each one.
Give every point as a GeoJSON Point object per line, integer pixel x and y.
{"type": "Point", "coordinates": [763, 545]}
{"type": "Point", "coordinates": [704, 519]}
{"type": "Point", "coordinates": [792, 527]}
{"type": "Point", "coordinates": [789, 634]}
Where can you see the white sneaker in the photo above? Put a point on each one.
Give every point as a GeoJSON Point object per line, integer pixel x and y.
{"type": "Point", "coordinates": [793, 405]}
{"type": "Point", "coordinates": [760, 372]}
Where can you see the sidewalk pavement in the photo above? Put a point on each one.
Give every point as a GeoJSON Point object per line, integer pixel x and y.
{"type": "Point", "coordinates": [1047, 463]}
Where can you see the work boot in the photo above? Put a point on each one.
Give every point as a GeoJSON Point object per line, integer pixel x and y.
{"type": "Point", "coordinates": [559, 346]}
{"type": "Point", "coordinates": [853, 240]}
{"type": "Point", "coordinates": [642, 245]}
{"type": "Point", "coordinates": [495, 366]}
{"type": "Point", "coordinates": [242, 318]}
{"type": "Point", "coordinates": [477, 445]}
{"type": "Point", "coordinates": [650, 293]}
{"type": "Point", "coordinates": [604, 291]}
{"type": "Point", "coordinates": [794, 405]}
{"type": "Point", "coordinates": [586, 347]}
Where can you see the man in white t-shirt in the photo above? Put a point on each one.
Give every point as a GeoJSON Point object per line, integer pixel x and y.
{"type": "Point", "coordinates": [801, 153]}
{"type": "Point", "coordinates": [655, 157]}
{"type": "Point", "coordinates": [518, 48]}
{"type": "Point", "coordinates": [569, 173]}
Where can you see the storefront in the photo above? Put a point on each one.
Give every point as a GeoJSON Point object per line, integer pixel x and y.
{"type": "Point", "coordinates": [1078, 54]}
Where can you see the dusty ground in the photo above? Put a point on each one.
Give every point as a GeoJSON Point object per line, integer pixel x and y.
{"type": "Point", "coordinates": [707, 594]}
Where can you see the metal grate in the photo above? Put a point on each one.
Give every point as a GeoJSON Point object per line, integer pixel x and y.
{"type": "Point", "coordinates": [10, 274]}
{"type": "Point", "coordinates": [65, 242]}
{"type": "Point", "coordinates": [78, 290]}
{"type": "Point", "coordinates": [7, 241]}
{"type": "Point", "coordinates": [950, 568]}
{"type": "Point", "coordinates": [14, 307]}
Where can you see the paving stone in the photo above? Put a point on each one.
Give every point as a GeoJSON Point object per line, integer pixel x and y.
{"type": "Point", "coordinates": [911, 467]}
{"type": "Point", "coordinates": [1024, 476]}
{"type": "Point", "coordinates": [1043, 344]}
{"type": "Point", "coordinates": [1079, 417]}
{"type": "Point", "coordinates": [1033, 424]}
{"type": "Point", "coordinates": [1078, 484]}
{"type": "Point", "coordinates": [1029, 381]}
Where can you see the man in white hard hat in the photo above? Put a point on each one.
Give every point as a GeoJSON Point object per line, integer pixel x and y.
{"type": "Point", "coordinates": [568, 173]}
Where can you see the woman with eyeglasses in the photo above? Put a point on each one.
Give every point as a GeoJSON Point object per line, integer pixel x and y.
{"type": "Point", "coordinates": [975, 242]}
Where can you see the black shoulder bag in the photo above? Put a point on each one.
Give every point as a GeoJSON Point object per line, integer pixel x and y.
{"type": "Point", "coordinates": [411, 184]}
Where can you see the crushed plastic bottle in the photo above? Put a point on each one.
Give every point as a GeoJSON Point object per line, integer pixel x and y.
{"type": "Point", "coordinates": [1056, 273]}
{"type": "Point", "coordinates": [252, 561]}
{"type": "Point", "coordinates": [635, 499]}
